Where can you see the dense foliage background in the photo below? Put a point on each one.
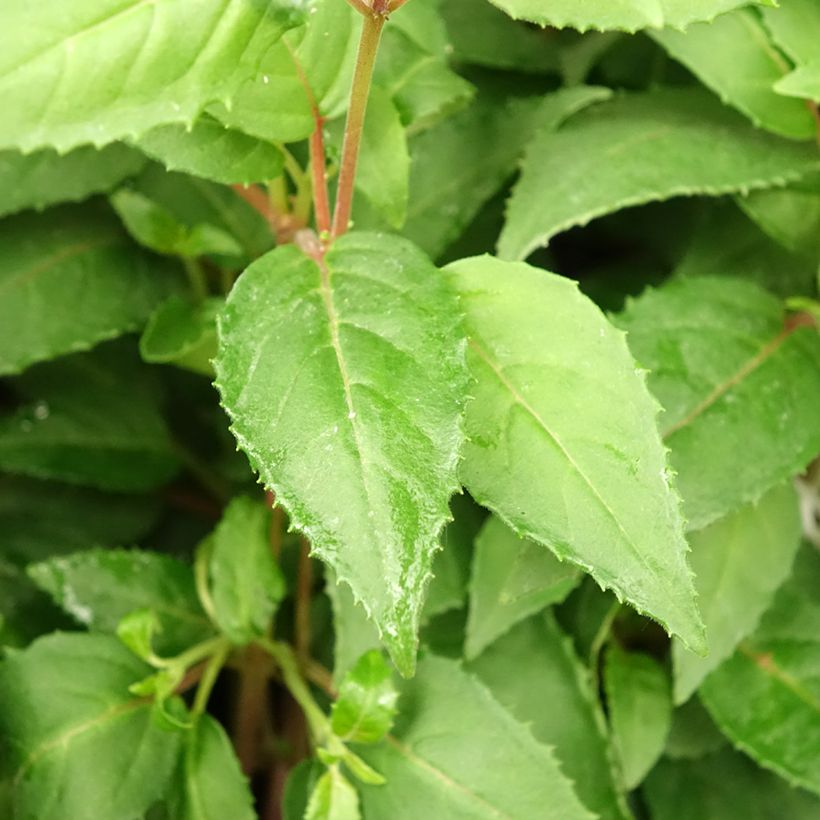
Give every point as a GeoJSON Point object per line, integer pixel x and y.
{"type": "Point", "coordinates": [538, 531]}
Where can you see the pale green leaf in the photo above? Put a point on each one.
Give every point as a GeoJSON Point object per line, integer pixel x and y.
{"type": "Point", "coordinates": [46, 178]}
{"type": "Point", "coordinates": [795, 27]}
{"type": "Point", "coordinates": [562, 438]}
{"type": "Point", "coordinates": [100, 587]}
{"type": "Point", "coordinates": [628, 15]}
{"type": "Point", "coordinates": [91, 418]}
{"type": "Point", "coordinates": [213, 151]}
{"type": "Point", "coordinates": [69, 279]}
{"type": "Point", "coordinates": [803, 82]}
{"type": "Point", "coordinates": [246, 585]}
{"type": "Point", "coordinates": [76, 743]}
{"type": "Point", "coordinates": [640, 148]}
{"type": "Point", "coordinates": [366, 704]}
{"type": "Point", "coordinates": [533, 671]}
{"type": "Point", "coordinates": [352, 370]}
{"type": "Point", "coordinates": [639, 698]}
{"type": "Point", "coordinates": [724, 786]}
{"type": "Point", "coordinates": [457, 753]}
{"type": "Point", "coordinates": [209, 784]}
{"type": "Point", "coordinates": [512, 578]}
{"type": "Point", "coordinates": [136, 630]}
{"type": "Point", "coordinates": [735, 58]}
{"type": "Point", "coordinates": [298, 788]}
{"type": "Point", "coordinates": [333, 798]}
{"type": "Point", "coordinates": [739, 562]}
{"type": "Point", "coordinates": [766, 697]}
{"type": "Point", "coordinates": [726, 370]}
{"type": "Point", "coordinates": [107, 69]}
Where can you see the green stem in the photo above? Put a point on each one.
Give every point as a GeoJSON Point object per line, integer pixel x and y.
{"type": "Point", "coordinates": [602, 635]}
{"type": "Point", "coordinates": [209, 676]}
{"type": "Point", "coordinates": [196, 278]}
{"type": "Point", "coordinates": [372, 26]}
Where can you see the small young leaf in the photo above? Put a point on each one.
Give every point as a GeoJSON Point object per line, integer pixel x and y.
{"type": "Point", "coordinates": [71, 278]}
{"type": "Point", "coordinates": [352, 370]}
{"type": "Point", "coordinates": [333, 798]}
{"type": "Point", "coordinates": [77, 744]}
{"type": "Point", "coordinates": [246, 585]}
{"type": "Point", "coordinates": [534, 664]}
{"type": "Point", "coordinates": [366, 705]}
{"type": "Point", "coordinates": [713, 348]}
{"type": "Point", "coordinates": [209, 784]}
{"type": "Point", "coordinates": [739, 562]}
{"type": "Point", "coordinates": [512, 578]}
{"type": "Point", "coordinates": [457, 753]}
{"type": "Point", "coordinates": [562, 438]}
{"type": "Point", "coordinates": [639, 697]}
{"type": "Point", "coordinates": [641, 148]}
{"type": "Point", "coordinates": [137, 629]}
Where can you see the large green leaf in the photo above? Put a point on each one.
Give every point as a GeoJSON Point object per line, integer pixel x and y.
{"type": "Point", "coordinates": [512, 578]}
{"type": "Point", "coordinates": [107, 69]}
{"type": "Point", "coordinates": [349, 374]}
{"type": "Point", "coordinates": [726, 371]}
{"type": "Point", "coordinates": [535, 665]}
{"type": "Point", "coordinates": [724, 786]}
{"type": "Point", "coordinates": [766, 697]}
{"type": "Point", "coordinates": [46, 178]}
{"type": "Point", "coordinates": [457, 753]}
{"type": "Point", "coordinates": [639, 148]}
{"type": "Point", "coordinates": [100, 587]}
{"type": "Point", "coordinates": [639, 699]}
{"type": "Point", "coordinates": [629, 15]}
{"type": "Point", "coordinates": [76, 743]}
{"type": "Point", "coordinates": [562, 438]}
{"type": "Point", "coordinates": [91, 418]}
{"type": "Point", "coordinates": [739, 562]}
{"type": "Point", "coordinates": [71, 278]}
{"type": "Point", "coordinates": [735, 58]}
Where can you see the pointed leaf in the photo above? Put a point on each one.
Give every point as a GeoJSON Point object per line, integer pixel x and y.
{"type": "Point", "coordinates": [512, 578]}
{"type": "Point", "coordinates": [714, 347]}
{"type": "Point", "coordinates": [640, 148]}
{"type": "Point", "coordinates": [739, 562]}
{"type": "Point", "coordinates": [534, 665]}
{"type": "Point", "coordinates": [562, 438]}
{"type": "Point", "coordinates": [457, 753]}
{"type": "Point", "coordinates": [69, 279]}
{"type": "Point", "coordinates": [246, 585]}
{"type": "Point", "coordinates": [352, 370]}
{"type": "Point", "coordinates": [76, 743]}
{"type": "Point", "coordinates": [766, 697]}
{"type": "Point", "coordinates": [333, 798]}
{"type": "Point", "coordinates": [639, 698]}
{"type": "Point", "coordinates": [107, 69]}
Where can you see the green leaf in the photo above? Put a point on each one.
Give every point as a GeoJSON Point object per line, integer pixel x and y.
{"type": "Point", "coordinates": [736, 59]}
{"type": "Point", "coordinates": [156, 227]}
{"type": "Point", "coordinates": [795, 27]}
{"type": "Point", "coordinates": [366, 704]}
{"type": "Point", "coordinates": [46, 178]}
{"type": "Point", "coordinates": [353, 633]}
{"type": "Point", "coordinates": [92, 419]}
{"type": "Point", "coordinates": [298, 788]}
{"type": "Point", "coordinates": [77, 744]}
{"type": "Point", "coordinates": [458, 165]}
{"type": "Point", "coordinates": [562, 440]}
{"type": "Point", "coordinates": [352, 370]}
{"type": "Point", "coordinates": [512, 578]}
{"type": "Point", "coordinates": [693, 733]}
{"type": "Point", "coordinates": [333, 798]}
{"type": "Point", "coordinates": [246, 585]}
{"type": "Point", "coordinates": [534, 665]}
{"type": "Point", "coordinates": [88, 77]}
{"type": "Point", "coordinates": [209, 784]}
{"type": "Point", "coordinates": [714, 347]}
{"type": "Point", "coordinates": [739, 562]}
{"type": "Point", "coordinates": [639, 698]}
{"type": "Point", "coordinates": [137, 629]}
{"type": "Point", "coordinates": [457, 753]}
{"type": "Point", "coordinates": [723, 786]}
{"type": "Point", "coordinates": [100, 587]}
{"type": "Point", "coordinates": [212, 150]}
{"type": "Point", "coordinates": [803, 82]}
{"type": "Point", "coordinates": [69, 279]}
{"type": "Point", "coordinates": [766, 697]}
{"type": "Point", "coordinates": [641, 148]}
{"type": "Point", "coordinates": [627, 15]}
